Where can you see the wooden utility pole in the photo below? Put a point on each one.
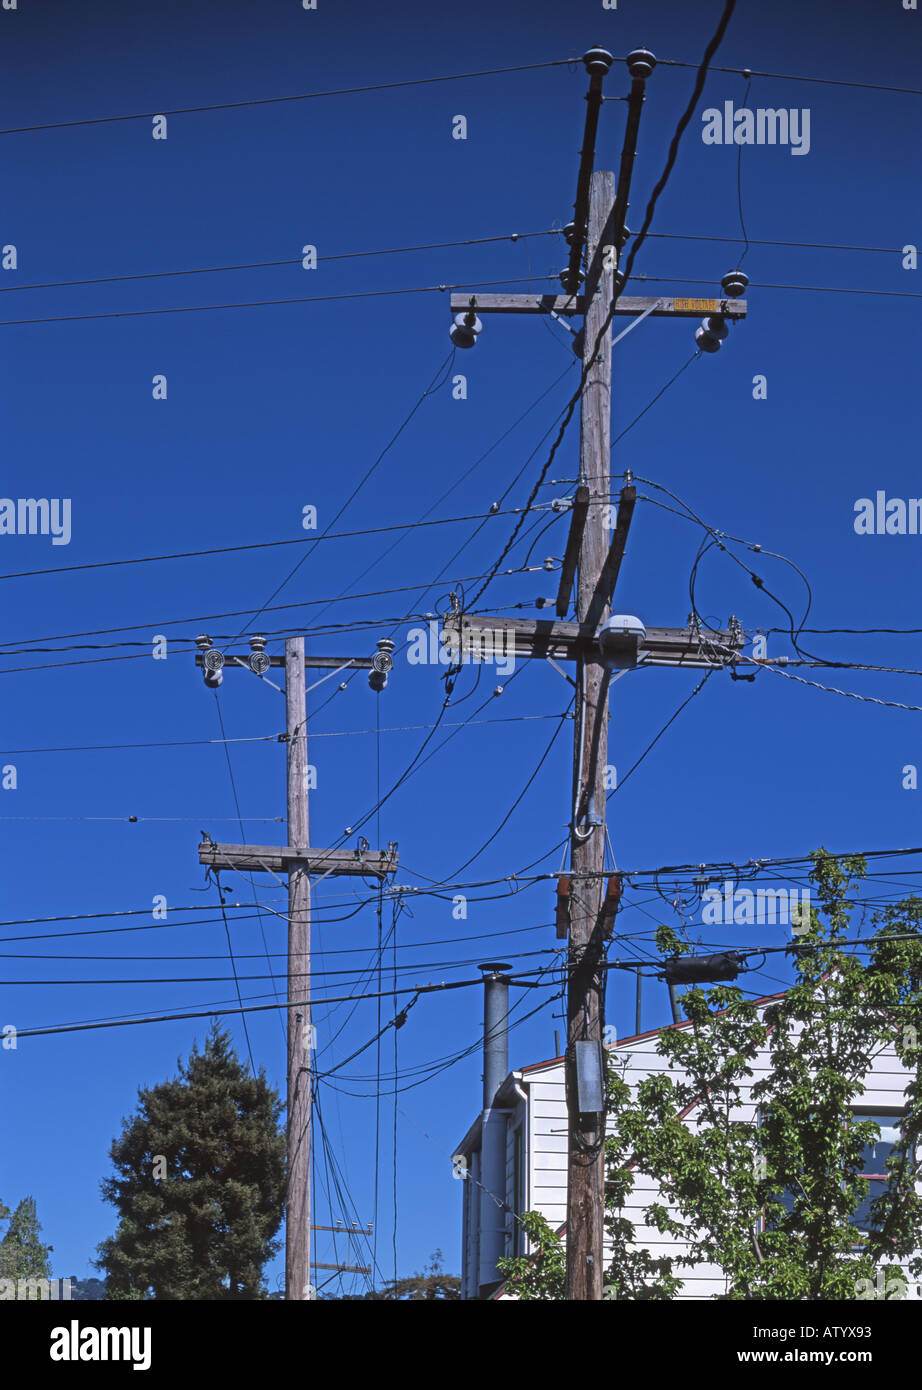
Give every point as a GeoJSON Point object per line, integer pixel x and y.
{"type": "Point", "coordinates": [297, 1220]}
{"type": "Point", "coordinates": [586, 917]}
{"type": "Point", "coordinates": [298, 860]}
{"type": "Point", "coordinates": [585, 976]}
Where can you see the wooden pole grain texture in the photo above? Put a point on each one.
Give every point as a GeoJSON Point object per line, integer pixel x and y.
{"type": "Point", "coordinates": [297, 1207]}
{"type": "Point", "coordinates": [585, 1021]}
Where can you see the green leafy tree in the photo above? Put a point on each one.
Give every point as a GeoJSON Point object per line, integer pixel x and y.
{"type": "Point", "coordinates": [541, 1275]}
{"type": "Point", "coordinates": [199, 1185]}
{"type": "Point", "coordinates": [430, 1283]}
{"type": "Point", "coordinates": [770, 1197]}
{"type": "Point", "coordinates": [23, 1255]}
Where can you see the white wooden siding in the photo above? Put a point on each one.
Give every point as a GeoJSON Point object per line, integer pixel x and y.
{"type": "Point", "coordinates": [546, 1142]}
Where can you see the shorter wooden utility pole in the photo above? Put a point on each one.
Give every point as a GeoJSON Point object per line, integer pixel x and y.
{"type": "Point", "coordinates": [298, 861]}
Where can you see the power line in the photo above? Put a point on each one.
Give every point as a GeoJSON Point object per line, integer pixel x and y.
{"type": "Point", "coordinates": [274, 101]}
{"type": "Point", "coordinates": [447, 493]}
{"type": "Point", "coordinates": [171, 820]}
{"type": "Point", "coordinates": [435, 1071]}
{"type": "Point", "coordinates": [149, 926]}
{"type": "Point", "coordinates": [255, 545]}
{"type": "Point", "coordinates": [263, 265]}
{"type": "Point", "coordinates": [335, 630]}
{"type": "Point", "coordinates": [671, 720]}
{"type": "Point", "coordinates": [851, 631]}
{"type": "Point", "coordinates": [661, 392]}
{"type": "Point", "coordinates": [437, 888]}
{"type": "Point", "coordinates": [277, 634]}
{"type": "Point", "coordinates": [261, 738]}
{"type": "Point", "coordinates": [247, 612]}
{"type": "Point", "coordinates": [622, 279]}
{"type": "Point", "coordinates": [270, 976]}
{"type": "Point", "coordinates": [739, 185]}
{"type": "Point", "coordinates": [828, 689]}
{"type": "Point", "coordinates": [416, 289]}
{"type": "Point", "coordinates": [262, 303]}
{"type": "Point", "coordinates": [541, 761]}
{"type": "Point", "coordinates": [217, 882]}
{"type": "Point", "coordinates": [247, 1008]}
{"type": "Point", "coordinates": [752, 241]}
{"type": "Point", "coordinates": [425, 81]}
{"type": "Point", "coordinates": [441, 376]}
{"type": "Point", "coordinates": [791, 77]}
{"type": "Point", "coordinates": [764, 285]}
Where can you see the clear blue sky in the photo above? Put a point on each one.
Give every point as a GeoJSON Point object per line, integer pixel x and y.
{"type": "Point", "coordinates": [270, 409]}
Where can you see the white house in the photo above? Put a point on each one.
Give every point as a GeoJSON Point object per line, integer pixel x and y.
{"type": "Point", "coordinates": [529, 1116]}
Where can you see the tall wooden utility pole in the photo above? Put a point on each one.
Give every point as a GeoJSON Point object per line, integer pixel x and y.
{"type": "Point", "coordinates": [585, 976]}
{"type": "Point", "coordinates": [298, 861]}
{"type": "Point", "coordinates": [584, 914]}
{"type": "Point", "coordinates": [298, 1215]}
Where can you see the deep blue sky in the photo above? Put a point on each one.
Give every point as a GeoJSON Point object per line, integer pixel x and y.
{"type": "Point", "coordinates": [273, 408]}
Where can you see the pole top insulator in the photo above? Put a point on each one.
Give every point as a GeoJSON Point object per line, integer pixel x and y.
{"type": "Point", "coordinates": [383, 659]}
{"type": "Point", "coordinates": [464, 329]}
{"type": "Point", "coordinates": [734, 283]}
{"type": "Point", "coordinates": [640, 63]}
{"type": "Point", "coordinates": [257, 661]}
{"type": "Point", "coordinates": [382, 663]}
{"type": "Point", "coordinates": [597, 61]}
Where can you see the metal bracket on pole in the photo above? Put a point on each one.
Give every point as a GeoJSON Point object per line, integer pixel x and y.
{"type": "Point", "coordinates": [657, 303]}
{"type": "Point", "coordinates": [551, 662]}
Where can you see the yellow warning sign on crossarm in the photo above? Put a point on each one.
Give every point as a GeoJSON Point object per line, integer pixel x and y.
{"type": "Point", "coordinates": [697, 306]}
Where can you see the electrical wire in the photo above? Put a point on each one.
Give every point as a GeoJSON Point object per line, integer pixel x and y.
{"type": "Point", "coordinates": [59, 1029]}
{"type": "Point", "coordinates": [739, 182]}
{"type": "Point", "coordinates": [275, 101]}
{"type": "Point", "coordinates": [791, 77]}
{"type": "Point", "coordinates": [753, 241]}
{"type": "Point", "coordinates": [447, 493]}
{"type": "Point", "coordinates": [254, 545]}
{"type": "Point", "coordinates": [435, 384]}
{"type": "Point", "coordinates": [764, 285]}
{"type": "Point", "coordinates": [242, 612]}
{"type": "Point", "coordinates": [636, 244]}
{"type": "Point", "coordinates": [262, 265]}
{"type": "Point", "coordinates": [522, 794]}
{"type": "Point", "coordinates": [217, 879]}
{"type": "Point", "coordinates": [259, 738]}
{"type": "Point", "coordinates": [661, 392]}
{"type": "Point", "coordinates": [265, 303]}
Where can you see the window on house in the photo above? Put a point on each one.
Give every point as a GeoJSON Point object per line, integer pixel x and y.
{"type": "Point", "coordinates": [874, 1158]}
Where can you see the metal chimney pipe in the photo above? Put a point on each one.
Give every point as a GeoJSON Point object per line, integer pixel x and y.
{"type": "Point", "coordinates": [493, 1137]}
{"type": "Point", "coordinates": [495, 1028]}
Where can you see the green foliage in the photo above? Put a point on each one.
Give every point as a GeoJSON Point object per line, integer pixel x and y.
{"type": "Point", "coordinates": [540, 1275]}
{"type": "Point", "coordinates": [23, 1255]}
{"type": "Point", "coordinates": [199, 1184]}
{"type": "Point", "coordinates": [765, 1184]}
{"type": "Point", "coordinates": [431, 1283]}
{"type": "Point", "coordinates": [633, 1273]}
{"type": "Point", "coordinates": [87, 1290]}
{"type": "Point", "coordinates": [721, 1183]}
